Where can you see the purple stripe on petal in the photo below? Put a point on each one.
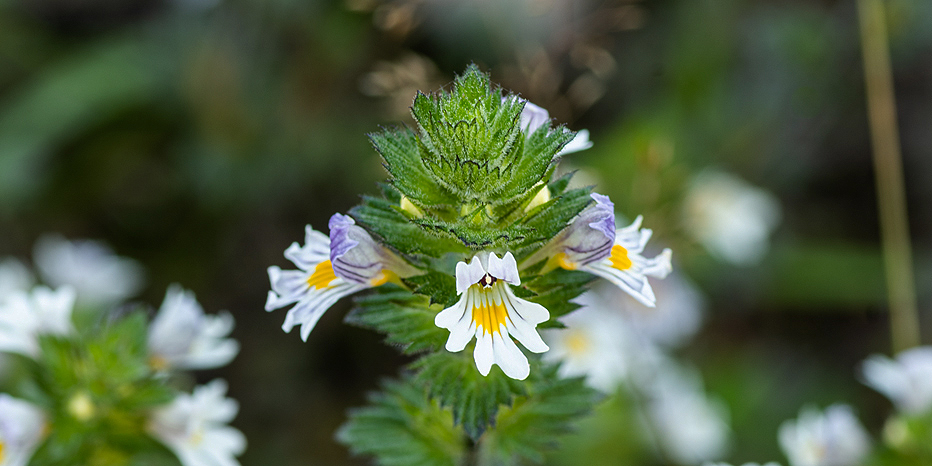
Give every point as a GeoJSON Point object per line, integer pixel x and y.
{"type": "Point", "coordinates": [340, 241]}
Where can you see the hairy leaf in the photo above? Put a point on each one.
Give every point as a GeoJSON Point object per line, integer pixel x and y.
{"type": "Point", "coordinates": [454, 381]}
{"type": "Point", "coordinates": [403, 427]}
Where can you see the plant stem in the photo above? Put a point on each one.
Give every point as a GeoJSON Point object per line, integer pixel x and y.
{"type": "Point", "coordinates": [888, 166]}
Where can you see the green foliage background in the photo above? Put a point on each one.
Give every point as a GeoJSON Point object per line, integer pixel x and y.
{"type": "Point", "coordinates": [201, 139]}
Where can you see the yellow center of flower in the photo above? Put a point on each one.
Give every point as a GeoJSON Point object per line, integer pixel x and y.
{"type": "Point", "coordinates": [486, 313]}
{"type": "Point", "coordinates": [159, 364]}
{"type": "Point", "coordinates": [577, 343]}
{"type": "Point", "coordinates": [383, 277]}
{"type": "Point", "coordinates": [564, 262]}
{"type": "Point", "coordinates": [322, 276]}
{"type": "Point", "coordinates": [619, 258]}
{"type": "Point", "coordinates": [1, 452]}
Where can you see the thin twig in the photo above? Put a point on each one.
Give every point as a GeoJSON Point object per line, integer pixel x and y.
{"type": "Point", "coordinates": [888, 165]}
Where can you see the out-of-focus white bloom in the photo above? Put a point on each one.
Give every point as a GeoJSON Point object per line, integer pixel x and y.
{"type": "Point", "coordinates": [100, 277]}
{"type": "Point", "coordinates": [533, 117]}
{"type": "Point", "coordinates": [690, 427]}
{"type": "Point", "coordinates": [22, 426]}
{"type": "Point", "coordinates": [182, 337]}
{"type": "Point", "coordinates": [195, 427]}
{"type": "Point", "coordinates": [676, 318]}
{"type": "Point", "coordinates": [24, 316]}
{"type": "Point", "coordinates": [14, 276]}
{"type": "Point", "coordinates": [832, 438]}
{"type": "Point", "coordinates": [330, 268]}
{"type": "Point", "coordinates": [489, 311]}
{"type": "Point", "coordinates": [596, 343]}
{"type": "Point", "coordinates": [730, 217]}
{"type": "Point", "coordinates": [906, 381]}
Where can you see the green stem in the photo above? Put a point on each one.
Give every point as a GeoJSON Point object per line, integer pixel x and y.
{"type": "Point", "coordinates": [891, 192]}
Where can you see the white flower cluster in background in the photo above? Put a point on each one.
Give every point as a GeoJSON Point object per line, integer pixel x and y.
{"type": "Point", "coordinates": [905, 380]}
{"type": "Point", "coordinates": [731, 218]}
{"type": "Point", "coordinates": [619, 343]}
{"type": "Point", "coordinates": [181, 336]}
{"type": "Point", "coordinates": [834, 437]}
{"type": "Point", "coordinates": [99, 277]}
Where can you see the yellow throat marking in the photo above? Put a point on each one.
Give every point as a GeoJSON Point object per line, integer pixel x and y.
{"type": "Point", "coordinates": [322, 276]}
{"type": "Point", "coordinates": [488, 314]}
{"type": "Point", "coordinates": [619, 258]}
{"type": "Point", "coordinates": [1, 451]}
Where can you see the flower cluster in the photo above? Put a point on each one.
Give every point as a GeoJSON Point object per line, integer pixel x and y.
{"type": "Point", "coordinates": [103, 376]}
{"type": "Point", "coordinates": [351, 260]}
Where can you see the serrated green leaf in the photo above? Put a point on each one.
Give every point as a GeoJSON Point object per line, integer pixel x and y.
{"type": "Point", "coordinates": [552, 218]}
{"type": "Point", "coordinates": [403, 427]}
{"type": "Point", "coordinates": [535, 424]}
{"type": "Point", "coordinates": [453, 380]}
{"type": "Point", "coordinates": [440, 287]}
{"type": "Point", "coordinates": [401, 152]}
{"type": "Point", "coordinates": [476, 235]}
{"type": "Point", "coordinates": [405, 319]}
{"type": "Point", "coordinates": [555, 290]}
{"type": "Point", "coordinates": [382, 218]}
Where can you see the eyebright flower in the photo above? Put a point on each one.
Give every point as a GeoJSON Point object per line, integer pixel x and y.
{"type": "Point", "coordinates": [330, 268]}
{"type": "Point", "coordinates": [832, 438]}
{"type": "Point", "coordinates": [182, 337]}
{"type": "Point", "coordinates": [489, 310]}
{"type": "Point", "coordinates": [596, 343]}
{"type": "Point", "coordinates": [25, 316]}
{"type": "Point", "coordinates": [195, 427]}
{"type": "Point", "coordinates": [906, 380]}
{"type": "Point", "coordinates": [22, 427]}
{"type": "Point", "coordinates": [730, 217]}
{"type": "Point", "coordinates": [592, 244]}
{"type": "Point", "coordinates": [533, 117]}
{"type": "Point", "coordinates": [691, 426]}
{"type": "Point", "coordinates": [14, 276]}
{"type": "Point", "coordinates": [99, 277]}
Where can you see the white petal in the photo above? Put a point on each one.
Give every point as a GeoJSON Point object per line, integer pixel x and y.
{"type": "Point", "coordinates": [289, 286]}
{"type": "Point", "coordinates": [310, 308]}
{"type": "Point", "coordinates": [579, 142]}
{"type": "Point", "coordinates": [507, 355]}
{"type": "Point", "coordinates": [633, 283]}
{"type": "Point", "coordinates": [483, 354]}
{"type": "Point", "coordinates": [468, 275]}
{"type": "Point", "coordinates": [458, 319]}
{"type": "Point", "coordinates": [505, 268]}
{"type": "Point", "coordinates": [523, 330]}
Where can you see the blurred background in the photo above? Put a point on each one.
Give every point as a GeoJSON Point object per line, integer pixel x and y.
{"type": "Point", "coordinates": [200, 136]}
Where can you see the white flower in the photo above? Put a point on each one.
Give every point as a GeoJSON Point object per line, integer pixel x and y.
{"type": "Point", "coordinates": [730, 217]}
{"type": "Point", "coordinates": [355, 262]}
{"type": "Point", "coordinates": [592, 244]}
{"type": "Point", "coordinates": [689, 426]}
{"type": "Point", "coordinates": [907, 380]}
{"type": "Point", "coordinates": [14, 276]}
{"type": "Point", "coordinates": [100, 277]}
{"type": "Point", "coordinates": [490, 311]}
{"type": "Point", "coordinates": [675, 319]}
{"type": "Point", "coordinates": [25, 316]}
{"type": "Point", "coordinates": [195, 427]}
{"type": "Point", "coordinates": [534, 117]}
{"type": "Point", "coordinates": [181, 336]}
{"type": "Point", "coordinates": [832, 438]}
{"type": "Point", "coordinates": [596, 343]}
{"type": "Point", "coordinates": [22, 426]}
